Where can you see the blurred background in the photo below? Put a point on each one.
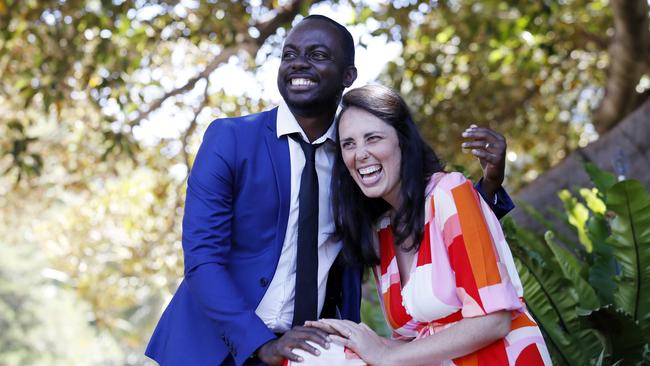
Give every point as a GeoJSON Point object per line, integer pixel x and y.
{"type": "Point", "coordinates": [103, 104]}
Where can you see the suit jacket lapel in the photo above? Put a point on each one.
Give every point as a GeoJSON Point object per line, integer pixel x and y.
{"type": "Point", "coordinates": [281, 162]}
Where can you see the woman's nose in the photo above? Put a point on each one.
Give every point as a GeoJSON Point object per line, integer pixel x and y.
{"type": "Point", "coordinates": [362, 154]}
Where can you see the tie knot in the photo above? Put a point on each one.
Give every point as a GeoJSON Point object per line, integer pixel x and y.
{"type": "Point", "coordinates": [308, 149]}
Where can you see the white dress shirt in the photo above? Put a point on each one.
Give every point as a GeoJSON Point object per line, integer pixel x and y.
{"type": "Point", "coordinates": [276, 307]}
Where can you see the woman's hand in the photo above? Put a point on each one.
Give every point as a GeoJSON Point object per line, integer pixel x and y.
{"type": "Point", "coordinates": [357, 337]}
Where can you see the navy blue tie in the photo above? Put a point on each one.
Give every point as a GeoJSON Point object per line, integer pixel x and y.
{"type": "Point", "coordinates": [306, 296]}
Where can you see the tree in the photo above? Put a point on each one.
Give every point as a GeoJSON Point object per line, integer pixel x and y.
{"type": "Point", "coordinates": [82, 79]}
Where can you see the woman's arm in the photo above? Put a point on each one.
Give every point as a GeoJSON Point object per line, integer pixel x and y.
{"type": "Point", "coordinates": [462, 338]}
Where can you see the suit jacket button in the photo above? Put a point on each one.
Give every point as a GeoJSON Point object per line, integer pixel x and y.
{"type": "Point", "coordinates": [264, 281]}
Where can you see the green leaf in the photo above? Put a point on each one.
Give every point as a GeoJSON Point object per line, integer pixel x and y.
{"type": "Point", "coordinates": [625, 337]}
{"type": "Point", "coordinates": [602, 269]}
{"type": "Point", "coordinates": [602, 180]}
{"type": "Point", "coordinates": [545, 291]}
{"type": "Point", "coordinates": [573, 270]}
{"type": "Point", "coordinates": [548, 224]}
{"type": "Point", "coordinates": [578, 216]}
{"type": "Point", "coordinates": [594, 202]}
{"type": "Point", "coordinates": [552, 299]}
{"type": "Point", "coordinates": [631, 241]}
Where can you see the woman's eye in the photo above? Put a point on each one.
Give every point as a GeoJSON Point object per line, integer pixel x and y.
{"type": "Point", "coordinates": [373, 138]}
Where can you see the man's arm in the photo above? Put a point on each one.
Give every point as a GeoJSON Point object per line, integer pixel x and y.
{"type": "Point", "coordinates": [489, 147]}
{"type": "Point", "coordinates": [207, 243]}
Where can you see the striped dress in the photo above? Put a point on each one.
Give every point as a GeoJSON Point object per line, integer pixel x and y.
{"type": "Point", "coordinates": [463, 269]}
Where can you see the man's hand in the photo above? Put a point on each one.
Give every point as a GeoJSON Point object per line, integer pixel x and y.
{"type": "Point", "coordinates": [357, 337]}
{"type": "Point", "coordinates": [274, 352]}
{"type": "Point", "coordinates": [489, 147]}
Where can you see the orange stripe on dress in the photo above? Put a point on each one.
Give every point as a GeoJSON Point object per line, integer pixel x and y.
{"type": "Point", "coordinates": [433, 208]}
{"type": "Point", "coordinates": [476, 235]}
{"type": "Point", "coordinates": [521, 320]}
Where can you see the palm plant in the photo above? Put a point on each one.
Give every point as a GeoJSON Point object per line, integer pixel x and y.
{"type": "Point", "coordinates": [591, 295]}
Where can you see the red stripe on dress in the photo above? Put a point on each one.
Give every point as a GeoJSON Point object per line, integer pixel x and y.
{"type": "Point", "coordinates": [530, 356]}
{"type": "Point", "coordinates": [395, 311]}
{"type": "Point", "coordinates": [463, 269]}
{"type": "Point", "coordinates": [424, 254]}
{"type": "Point", "coordinates": [494, 354]}
{"type": "Point", "coordinates": [452, 318]}
{"type": "Point", "coordinates": [385, 248]}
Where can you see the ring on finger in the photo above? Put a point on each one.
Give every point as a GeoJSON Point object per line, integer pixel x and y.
{"type": "Point", "coordinates": [487, 145]}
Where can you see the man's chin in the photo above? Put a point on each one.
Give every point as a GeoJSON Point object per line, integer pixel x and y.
{"type": "Point", "coordinates": [311, 107]}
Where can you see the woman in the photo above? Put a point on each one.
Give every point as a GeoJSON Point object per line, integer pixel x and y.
{"type": "Point", "coordinates": [447, 282]}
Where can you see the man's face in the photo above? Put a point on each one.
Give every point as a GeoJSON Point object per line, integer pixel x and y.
{"type": "Point", "coordinates": [313, 73]}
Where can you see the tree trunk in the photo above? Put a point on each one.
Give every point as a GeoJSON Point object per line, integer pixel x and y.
{"type": "Point", "coordinates": [628, 54]}
{"type": "Point", "coordinates": [624, 150]}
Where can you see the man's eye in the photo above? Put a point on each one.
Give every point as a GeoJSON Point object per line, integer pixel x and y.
{"type": "Point", "coordinates": [288, 55]}
{"type": "Point", "coordinates": [319, 56]}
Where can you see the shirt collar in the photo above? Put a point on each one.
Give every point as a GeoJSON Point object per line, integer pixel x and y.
{"type": "Point", "coordinates": [287, 124]}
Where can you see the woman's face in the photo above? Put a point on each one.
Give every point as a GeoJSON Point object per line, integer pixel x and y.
{"type": "Point", "coordinates": [371, 152]}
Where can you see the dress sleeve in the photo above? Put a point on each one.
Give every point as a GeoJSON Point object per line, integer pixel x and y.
{"type": "Point", "coordinates": [486, 277]}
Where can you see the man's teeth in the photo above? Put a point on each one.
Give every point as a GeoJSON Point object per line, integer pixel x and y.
{"type": "Point", "coordinates": [369, 169]}
{"type": "Point", "coordinates": [302, 82]}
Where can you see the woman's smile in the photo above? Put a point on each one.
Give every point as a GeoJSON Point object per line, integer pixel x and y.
{"type": "Point", "coordinates": [371, 174]}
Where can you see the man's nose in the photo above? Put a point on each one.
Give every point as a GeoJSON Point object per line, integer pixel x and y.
{"type": "Point", "coordinates": [300, 61]}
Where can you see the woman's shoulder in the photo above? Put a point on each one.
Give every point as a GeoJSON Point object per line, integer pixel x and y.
{"type": "Point", "coordinates": [445, 181]}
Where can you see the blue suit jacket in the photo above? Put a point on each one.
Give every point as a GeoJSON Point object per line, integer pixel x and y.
{"type": "Point", "coordinates": [236, 213]}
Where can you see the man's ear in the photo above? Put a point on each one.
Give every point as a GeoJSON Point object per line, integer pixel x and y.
{"type": "Point", "coordinates": [349, 76]}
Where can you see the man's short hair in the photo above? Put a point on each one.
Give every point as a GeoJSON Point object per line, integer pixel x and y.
{"type": "Point", "coordinates": [346, 37]}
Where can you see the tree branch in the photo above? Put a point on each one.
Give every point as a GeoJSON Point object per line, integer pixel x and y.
{"type": "Point", "coordinates": [189, 85]}
{"type": "Point", "coordinates": [601, 42]}
{"type": "Point", "coordinates": [628, 53]}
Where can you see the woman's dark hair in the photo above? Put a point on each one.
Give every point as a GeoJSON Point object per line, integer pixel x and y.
{"type": "Point", "coordinates": [354, 213]}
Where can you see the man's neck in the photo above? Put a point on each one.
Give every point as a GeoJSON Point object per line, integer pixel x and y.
{"type": "Point", "coordinates": [315, 126]}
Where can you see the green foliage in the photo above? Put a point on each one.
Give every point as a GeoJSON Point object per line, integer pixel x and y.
{"type": "Point", "coordinates": [82, 186]}
{"type": "Point", "coordinates": [521, 67]}
{"type": "Point", "coordinates": [592, 305]}
{"type": "Point", "coordinates": [40, 317]}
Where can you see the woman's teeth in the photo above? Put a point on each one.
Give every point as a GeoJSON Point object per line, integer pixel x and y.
{"type": "Point", "coordinates": [369, 170]}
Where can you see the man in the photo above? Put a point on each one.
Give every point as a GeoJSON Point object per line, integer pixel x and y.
{"type": "Point", "coordinates": [243, 224]}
